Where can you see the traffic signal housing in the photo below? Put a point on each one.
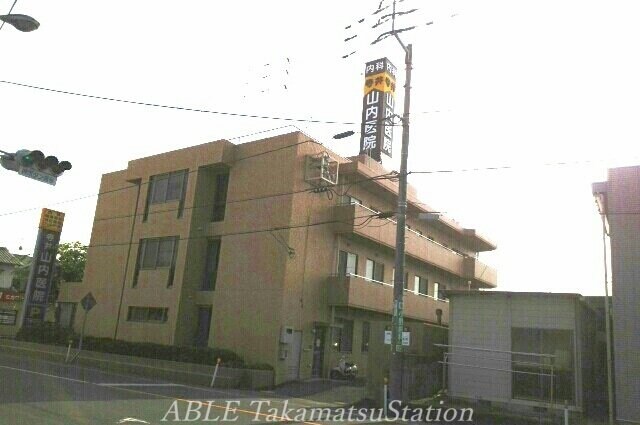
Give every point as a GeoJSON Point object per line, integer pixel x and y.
{"type": "Point", "coordinates": [34, 164]}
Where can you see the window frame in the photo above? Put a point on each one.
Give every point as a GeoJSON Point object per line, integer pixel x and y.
{"type": "Point", "coordinates": [160, 197]}
{"type": "Point", "coordinates": [144, 314]}
{"type": "Point", "coordinates": [144, 246]}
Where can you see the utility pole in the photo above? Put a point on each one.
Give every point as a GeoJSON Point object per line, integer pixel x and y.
{"type": "Point", "coordinates": [397, 355]}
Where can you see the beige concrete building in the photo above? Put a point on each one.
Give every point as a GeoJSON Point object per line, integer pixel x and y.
{"type": "Point", "coordinates": [272, 249]}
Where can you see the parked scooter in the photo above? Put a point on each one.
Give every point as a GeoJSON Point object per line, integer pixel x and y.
{"type": "Point", "coordinates": [344, 370]}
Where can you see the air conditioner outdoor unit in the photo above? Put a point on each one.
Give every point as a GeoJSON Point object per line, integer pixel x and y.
{"type": "Point", "coordinates": [321, 170]}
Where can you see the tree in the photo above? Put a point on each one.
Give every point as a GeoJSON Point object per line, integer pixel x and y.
{"type": "Point", "coordinates": [72, 258]}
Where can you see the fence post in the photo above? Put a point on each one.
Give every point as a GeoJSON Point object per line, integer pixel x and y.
{"type": "Point", "coordinates": [566, 412]}
{"type": "Point", "coordinates": [215, 373]}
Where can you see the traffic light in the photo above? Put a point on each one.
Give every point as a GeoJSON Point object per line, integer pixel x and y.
{"type": "Point", "coordinates": [35, 165]}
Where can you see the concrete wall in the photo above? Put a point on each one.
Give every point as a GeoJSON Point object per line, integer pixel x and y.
{"type": "Point", "coordinates": [485, 321]}
{"type": "Point", "coordinates": [623, 214]}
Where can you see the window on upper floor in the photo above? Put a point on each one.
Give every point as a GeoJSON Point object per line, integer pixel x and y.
{"type": "Point", "coordinates": [347, 263]}
{"type": "Point", "coordinates": [420, 285]}
{"type": "Point", "coordinates": [158, 252]}
{"type": "Point", "coordinates": [374, 270]}
{"type": "Point", "coordinates": [167, 187]}
{"type": "Point", "coordinates": [220, 197]}
{"type": "Point", "coordinates": [405, 284]}
{"type": "Point", "coordinates": [211, 266]}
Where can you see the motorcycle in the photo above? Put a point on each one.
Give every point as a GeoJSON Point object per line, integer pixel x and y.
{"type": "Point", "coordinates": [344, 370]}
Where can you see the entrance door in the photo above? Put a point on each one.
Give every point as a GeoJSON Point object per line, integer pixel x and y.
{"type": "Point", "coordinates": [318, 351]}
{"type": "Point", "coordinates": [204, 323]}
{"type": "Point", "coordinates": [293, 357]}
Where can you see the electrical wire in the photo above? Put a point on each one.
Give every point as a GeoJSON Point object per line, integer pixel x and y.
{"type": "Point", "coordinates": [179, 108]}
{"type": "Point", "coordinates": [147, 182]}
{"type": "Point", "coordinates": [238, 233]}
{"type": "Point", "coordinates": [10, 10]}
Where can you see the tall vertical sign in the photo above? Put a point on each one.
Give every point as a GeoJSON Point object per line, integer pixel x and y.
{"type": "Point", "coordinates": [42, 267]}
{"type": "Point", "coordinates": [377, 105]}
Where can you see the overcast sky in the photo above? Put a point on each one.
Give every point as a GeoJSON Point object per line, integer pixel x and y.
{"type": "Point", "coordinates": [515, 83]}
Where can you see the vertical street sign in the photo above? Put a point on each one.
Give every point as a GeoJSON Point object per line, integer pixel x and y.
{"type": "Point", "coordinates": [42, 267]}
{"type": "Point", "coordinates": [378, 104]}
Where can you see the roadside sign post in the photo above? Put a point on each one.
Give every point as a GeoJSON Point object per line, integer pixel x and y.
{"type": "Point", "coordinates": [42, 268]}
{"type": "Point", "coordinates": [88, 302]}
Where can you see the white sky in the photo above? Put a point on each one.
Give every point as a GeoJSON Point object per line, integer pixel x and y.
{"type": "Point", "coordinates": [517, 83]}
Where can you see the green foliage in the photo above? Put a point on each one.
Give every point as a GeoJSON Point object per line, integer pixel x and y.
{"type": "Point", "coordinates": [72, 258]}
{"type": "Point", "coordinates": [46, 333]}
{"type": "Point", "coordinates": [51, 333]}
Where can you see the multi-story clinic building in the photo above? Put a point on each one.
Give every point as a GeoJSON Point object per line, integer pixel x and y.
{"type": "Point", "coordinates": [619, 200]}
{"type": "Point", "coordinates": [244, 247]}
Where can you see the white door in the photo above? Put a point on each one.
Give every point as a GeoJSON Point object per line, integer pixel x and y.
{"type": "Point", "coordinates": [293, 357]}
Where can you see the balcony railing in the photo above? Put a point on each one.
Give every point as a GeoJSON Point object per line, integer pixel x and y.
{"type": "Point", "coordinates": [356, 291]}
{"type": "Point", "coordinates": [417, 245]}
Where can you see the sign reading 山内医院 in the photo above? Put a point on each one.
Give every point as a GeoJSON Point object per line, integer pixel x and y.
{"type": "Point", "coordinates": [43, 266]}
{"type": "Point", "coordinates": [377, 108]}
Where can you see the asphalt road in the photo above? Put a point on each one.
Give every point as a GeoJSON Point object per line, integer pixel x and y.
{"type": "Point", "coordinates": [34, 391]}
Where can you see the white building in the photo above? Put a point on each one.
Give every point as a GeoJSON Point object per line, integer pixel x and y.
{"type": "Point", "coordinates": [522, 350]}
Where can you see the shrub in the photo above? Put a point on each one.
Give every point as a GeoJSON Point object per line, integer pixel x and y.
{"type": "Point", "coordinates": [46, 333]}
{"type": "Point", "coordinates": [51, 333]}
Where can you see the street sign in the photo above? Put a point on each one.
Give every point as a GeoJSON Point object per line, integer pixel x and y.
{"type": "Point", "coordinates": [88, 302]}
{"type": "Point", "coordinates": [406, 338]}
{"type": "Point", "coordinates": [38, 175]}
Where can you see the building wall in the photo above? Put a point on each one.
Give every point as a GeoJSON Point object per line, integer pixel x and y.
{"type": "Point", "coordinates": [260, 286]}
{"type": "Point", "coordinates": [623, 214]}
{"type": "Point", "coordinates": [485, 321]}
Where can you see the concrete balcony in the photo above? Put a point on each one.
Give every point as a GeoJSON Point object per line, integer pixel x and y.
{"type": "Point", "coordinates": [480, 272]}
{"type": "Point", "coordinates": [417, 246]}
{"type": "Point", "coordinates": [358, 292]}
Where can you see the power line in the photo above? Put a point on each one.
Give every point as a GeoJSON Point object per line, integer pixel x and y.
{"type": "Point", "coordinates": [257, 198]}
{"type": "Point", "coordinates": [149, 181]}
{"type": "Point", "coordinates": [240, 233]}
{"type": "Point", "coordinates": [180, 108]}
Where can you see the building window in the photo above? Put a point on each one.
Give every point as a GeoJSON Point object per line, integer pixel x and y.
{"type": "Point", "coordinates": [167, 187]}
{"type": "Point", "coordinates": [366, 335]}
{"type": "Point", "coordinates": [347, 263]}
{"type": "Point", "coordinates": [374, 270]}
{"type": "Point", "coordinates": [211, 267]}
{"type": "Point", "coordinates": [529, 377]}
{"type": "Point", "coordinates": [147, 314]}
{"type": "Point", "coordinates": [158, 252]}
{"type": "Point", "coordinates": [343, 336]}
{"type": "Point", "coordinates": [220, 197]}
{"type": "Point", "coordinates": [420, 285]}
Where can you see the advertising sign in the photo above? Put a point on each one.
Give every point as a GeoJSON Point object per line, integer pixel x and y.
{"type": "Point", "coordinates": [42, 267]}
{"type": "Point", "coordinates": [10, 296]}
{"type": "Point", "coordinates": [8, 317]}
{"type": "Point", "coordinates": [377, 105]}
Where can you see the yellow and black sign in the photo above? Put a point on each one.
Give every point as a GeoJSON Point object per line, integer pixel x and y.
{"type": "Point", "coordinates": [51, 220]}
{"type": "Point", "coordinates": [377, 108]}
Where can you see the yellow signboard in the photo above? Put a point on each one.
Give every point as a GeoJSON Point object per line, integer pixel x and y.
{"type": "Point", "coordinates": [384, 82]}
{"type": "Point", "coordinates": [51, 220]}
